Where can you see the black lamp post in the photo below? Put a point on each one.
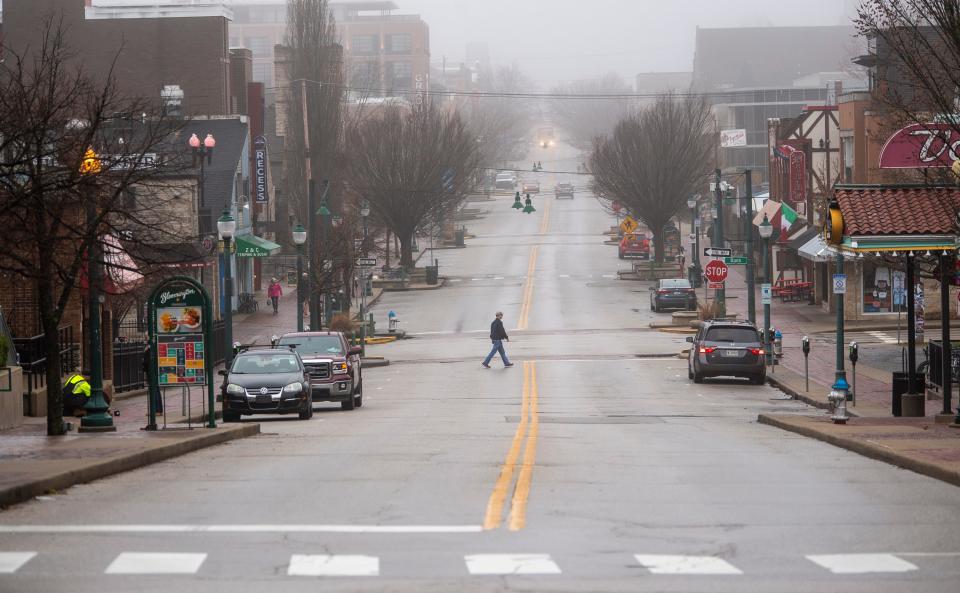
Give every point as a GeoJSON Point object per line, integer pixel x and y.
{"type": "Point", "coordinates": [695, 246]}
{"type": "Point", "coordinates": [299, 238]}
{"type": "Point", "coordinates": [226, 226]}
{"type": "Point", "coordinates": [324, 213]}
{"type": "Point", "coordinates": [202, 155]}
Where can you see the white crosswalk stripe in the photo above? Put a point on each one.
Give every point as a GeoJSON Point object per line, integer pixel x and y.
{"type": "Point", "coordinates": [884, 337]}
{"type": "Point", "coordinates": [673, 564]}
{"type": "Point", "coordinates": [322, 565]}
{"type": "Point", "coordinates": [506, 564]}
{"type": "Point", "coordinates": [156, 563]}
{"type": "Point", "coordinates": [861, 563]}
{"type": "Point", "coordinates": [11, 562]}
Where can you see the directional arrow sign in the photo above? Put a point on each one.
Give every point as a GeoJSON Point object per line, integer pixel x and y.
{"type": "Point", "coordinates": [717, 252]}
{"type": "Point", "coordinates": [367, 262]}
{"type": "Point", "coordinates": [736, 261]}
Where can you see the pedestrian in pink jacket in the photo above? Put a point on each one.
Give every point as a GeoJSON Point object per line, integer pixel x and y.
{"type": "Point", "coordinates": [275, 292]}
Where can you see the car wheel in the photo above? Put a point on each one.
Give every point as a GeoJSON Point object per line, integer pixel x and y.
{"type": "Point", "coordinates": [306, 411]}
{"type": "Point", "coordinates": [758, 379]}
{"type": "Point", "coordinates": [620, 255]}
{"type": "Point", "coordinates": [697, 377]}
{"type": "Point", "coordinates": [358, 398]}
{"type": "Point", "coordinates": [229, 416]}
{"type": "Point", "coordinates": [689, 371]}
{"type": "Point", "coordinates": [349, 403]}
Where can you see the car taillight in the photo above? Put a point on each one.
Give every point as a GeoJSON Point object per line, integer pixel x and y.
{"type": "Point", "coordinates": [756, 351]}
{"type": "Point", "coordinates": [690, 290]}
{"type": "Point", "coordinates": [707, 349]}
{"type": "Point", "coordinates": [662, 291]}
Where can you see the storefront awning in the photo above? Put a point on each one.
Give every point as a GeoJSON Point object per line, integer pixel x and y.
{"type": "Point", "coordinates": [254, 246]}
{"type": "Point", "coordinates": [815, 250]}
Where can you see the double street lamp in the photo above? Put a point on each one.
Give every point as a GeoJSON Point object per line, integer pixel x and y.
{"type": "Point", "coordinates": [226, 227]}
{"type": "Point", "coordinates": [299, 238]}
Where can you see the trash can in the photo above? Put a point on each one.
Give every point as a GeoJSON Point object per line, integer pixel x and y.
{"type": "Point", "coordinates": [433, 275]}
{"type": "Point", "coordinates": [460, 237]}
{"type": "Point", "coordinates": [900, 386]}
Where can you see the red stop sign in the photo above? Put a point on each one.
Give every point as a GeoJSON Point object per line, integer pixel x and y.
{"type": "Point", "coordinates": [715, 271]}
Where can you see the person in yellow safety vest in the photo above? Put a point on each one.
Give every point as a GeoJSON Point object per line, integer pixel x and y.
{"type": "Point", "coordinates": [76, 391]}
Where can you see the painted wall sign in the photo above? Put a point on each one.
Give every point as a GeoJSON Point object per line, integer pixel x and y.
{"type": "Point", "coordinates": [732, 138]}
{"type": "Point", "coordinates": [921, 146]}
{"type": "Point", "coordinates": [260, 170]}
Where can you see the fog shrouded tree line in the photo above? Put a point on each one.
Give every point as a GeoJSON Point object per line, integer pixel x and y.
{"type": "Point", "coordinates": [655, 159]}
{"type": "Point", "coordinates": [586, 119]}
{"type": "Point", "coordinates": [58, 202]}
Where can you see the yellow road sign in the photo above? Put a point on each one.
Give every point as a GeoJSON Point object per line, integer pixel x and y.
{"type": "Point", "coordinates": [629, 225]}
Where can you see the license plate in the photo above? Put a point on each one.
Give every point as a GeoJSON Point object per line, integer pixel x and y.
{"type": "Point", "coordinates": [731, 353]}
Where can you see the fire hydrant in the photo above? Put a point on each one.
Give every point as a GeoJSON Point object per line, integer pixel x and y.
{"type": "Point", "coordinates": [392, 322]}
{"type": "Point", "coordinates": [778, 344]}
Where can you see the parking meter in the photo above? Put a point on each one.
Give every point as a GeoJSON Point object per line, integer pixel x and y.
{"type": "Point", "coordinates": [778, 344]}
{"type": "Point", "coordinates": [854, 355]}
{"type": "Point", "coordinates": [806, 360]}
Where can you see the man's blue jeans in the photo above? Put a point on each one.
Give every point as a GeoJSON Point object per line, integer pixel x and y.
{"type": "Point", "coordinates": [497, 347]}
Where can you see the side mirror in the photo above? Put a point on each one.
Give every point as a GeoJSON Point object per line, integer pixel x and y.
{"type": "Point", "coordinates": [355, 350]}
{"type": "Point", "coordinates": [690, 339]}
{"type": "Point", "coordinates": [223, 372]}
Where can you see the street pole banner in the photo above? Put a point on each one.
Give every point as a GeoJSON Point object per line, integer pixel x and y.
{"type": "Point", "coordinates": [766, 294]}
{"type": "Point", "coordinates": [260, 170]}
{"type": "Point", "coordinates": [839, 284]}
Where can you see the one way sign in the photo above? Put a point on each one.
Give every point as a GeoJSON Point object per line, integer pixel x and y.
{"type": "Point", "coordinates": [717, 252]}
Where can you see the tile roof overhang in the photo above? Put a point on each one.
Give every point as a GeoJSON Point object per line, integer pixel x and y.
{"type": "Point", "coordinates": [891, 217]}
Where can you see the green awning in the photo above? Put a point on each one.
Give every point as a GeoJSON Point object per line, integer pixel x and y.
{"type": "Point", "coordinates": [254, 246]}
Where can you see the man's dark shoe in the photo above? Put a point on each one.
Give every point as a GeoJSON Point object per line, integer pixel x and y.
{"type": "Point", "coordinates": [484, 365]}
{"type": "Point", "coordinates": [508, 365]}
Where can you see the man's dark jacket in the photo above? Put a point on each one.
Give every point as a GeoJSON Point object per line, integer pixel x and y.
{"type": "Point", "coordinates": [497, 332]}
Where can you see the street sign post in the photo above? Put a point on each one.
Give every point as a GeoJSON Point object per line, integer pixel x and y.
{"type": "Point", "coordinates": [716, 271]}
{"type": "Point", "coordinates": [736, 261]}
{"type": "Point", "coordinates": [367, 262]}
{"type": "Point", "coordinates": [714, 285]}
{"type": "Point", "coordinates": [717, 252]}
{"type": "Point", "coordinates": [628, 225]}
{"type": "Point", "coordinates": [839, 284]}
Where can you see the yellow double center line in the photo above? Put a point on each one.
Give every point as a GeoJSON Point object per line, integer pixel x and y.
{"type": "Point", "coordinates": [529, 427]}
{"type": "Point", "coordinates": [528, 289]}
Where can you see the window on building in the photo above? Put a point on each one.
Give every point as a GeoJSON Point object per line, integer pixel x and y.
{"type": "Point", "coordinates": [400, 75]}
{"type": "Point", "coordinates": [883, 288]}
{"type": "Point", "coordinates": [365, 75]}
{"type": "Point", "coordinates": [260, 46]}
{"type": "Point", "coordinates": [263, 72]}
{"type": "Point", "coordinates": [399, 43]}
{"type": "Point", "coordinates": [365, 45]}
{"type": "Point", "coordinates": [847, 159]}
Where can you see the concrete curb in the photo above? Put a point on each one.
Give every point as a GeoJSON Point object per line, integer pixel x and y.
{"type": "Point", "coordinates": [867, 449]}
{"type": "Point", "coordinates": [775, 382]}
{"type": "Point", "coordinates": [116, 465]}
{"type": "Point", "coordinates": [375, 363]}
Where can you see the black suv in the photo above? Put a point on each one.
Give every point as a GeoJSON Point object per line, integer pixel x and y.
{"type": "Point", "coordinates": [266, 381]}
{"type": "Point", "coordinates": [727, 348]}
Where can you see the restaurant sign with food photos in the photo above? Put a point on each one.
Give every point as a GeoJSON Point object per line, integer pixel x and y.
{"type": "Point", "coordinates": [179, 329]}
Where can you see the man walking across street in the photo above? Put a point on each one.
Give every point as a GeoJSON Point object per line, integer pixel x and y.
{"type": "Point", "coordinates": [497, 336]}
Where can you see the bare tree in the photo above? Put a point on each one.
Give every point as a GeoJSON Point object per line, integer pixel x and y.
{"type": "Point", "coordinates": [916, 49]}
{"type": "Point", "coordinates": [72, 160]}
{"type": "Point", "coordinates": [501, 123]}
{"type": "Point", "coordinates": [596, 113]}
{"type": "Point", "coordinates": [655, 160]}
{"type": "Point", "coordinates": [411, 165]}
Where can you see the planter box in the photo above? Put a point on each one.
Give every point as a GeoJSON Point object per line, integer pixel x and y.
{"type": "Point", "coordinates": [11, 402]}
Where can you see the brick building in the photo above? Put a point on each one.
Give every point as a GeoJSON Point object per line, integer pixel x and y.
{"type": "Point", "coordinates": [155, 43]}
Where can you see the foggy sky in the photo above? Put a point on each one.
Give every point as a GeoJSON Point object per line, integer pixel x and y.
{"type": "Point", "coordinates": [555, 40]}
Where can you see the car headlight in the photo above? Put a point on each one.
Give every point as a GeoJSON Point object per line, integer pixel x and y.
{"type": "Point", "coordinates": [235, 389]}
{"type": "Point", "coordinates": [339, 367]}
{"type": "Point", "coordinates": [293, 388]}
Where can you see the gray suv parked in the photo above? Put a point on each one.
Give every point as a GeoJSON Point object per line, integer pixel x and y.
{"type": "Point", "coordinates": [725, 348]}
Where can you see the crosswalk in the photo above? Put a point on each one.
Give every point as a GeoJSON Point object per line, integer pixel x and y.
{"type": "Point", "coordinates": [342, 565]}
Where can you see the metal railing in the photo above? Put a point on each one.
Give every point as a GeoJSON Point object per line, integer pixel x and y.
{"type": "Point", "coordinates": [32, 354]}
{"type": "Point", "coordinates": [128, 372]}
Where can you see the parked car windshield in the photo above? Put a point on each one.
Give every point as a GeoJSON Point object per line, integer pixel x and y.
{"type": "Point", "coordinates": [315, 344]}
{"type": "Point", "coordinates": [265, 364]}
{"type": "Point", "coordinates": [675, 283]}
{"type": "Point", "coordinates": [731, 334]}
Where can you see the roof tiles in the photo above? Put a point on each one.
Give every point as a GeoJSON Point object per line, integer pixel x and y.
{"type": "Point", "coordinates": [898, 210]}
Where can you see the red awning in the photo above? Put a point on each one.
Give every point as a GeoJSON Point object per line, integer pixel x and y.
{"type": "Point", "coordinates": [120, 272]}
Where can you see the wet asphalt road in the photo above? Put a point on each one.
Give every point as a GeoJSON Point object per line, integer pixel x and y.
{"type": "Point", "coordinates": [593, 464]}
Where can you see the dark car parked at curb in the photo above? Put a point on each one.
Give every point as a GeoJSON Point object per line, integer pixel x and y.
{"type": "Point", "coordinates": [265, 381]}
{"type": "Point", "coordinates": [673, 293]}
{"type": "Point", "coordinates": [333, 366]}
{"type": "Point", "coordinates": [727, 348]}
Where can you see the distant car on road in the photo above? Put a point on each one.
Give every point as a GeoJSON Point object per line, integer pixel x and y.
{"type": "Point", "coordinates": [333, 366]}
{"type": "Point", "coordinates": [563, 189]}
{"type": "Point", "coordinates": [505, 181]}
{"type": "Point", "coordinates": [635, 245]}
{"type": "Point", "coordinates": [531, 187]}
{"type": "Point", "coordinates": [725, 348]}
{"type": "Point", "coordinates": [265, 381]}
{"type": "Point", "coordinates": [673, 293]}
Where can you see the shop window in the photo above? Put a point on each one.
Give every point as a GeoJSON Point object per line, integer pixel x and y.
{"type": "Point", "coordinates": [399, 43]}
{"type": "Point", "coordinates": [365, 45]}
{"type": "Point", "coordinates": [883, 288]}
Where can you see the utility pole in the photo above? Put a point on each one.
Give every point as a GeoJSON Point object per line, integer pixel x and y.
{"type": "Point", "coordinates": [751, 269]}
{"type": "Point", "coordinates": [718, 241]}
{"type": "Point", "coordinates": [312, 269]}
